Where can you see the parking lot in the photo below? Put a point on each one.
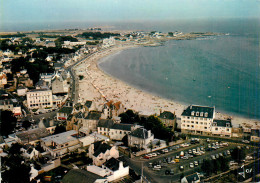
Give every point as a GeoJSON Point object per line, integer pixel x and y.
{"type": "Point", "coordinates": [185, 158]}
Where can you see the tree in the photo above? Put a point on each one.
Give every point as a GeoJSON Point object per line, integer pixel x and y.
{"type": "Point", "coordinates": [59, 129]}
{"type": "Point", "coordinates": [207, 167]}
{"type": "Point", "coordinates": [238, 154]}
{"type": "Point", "coordinates": [7, 123]}
{"type": "Point", "coordinates": [151, 146]}
{"type": "Point", "coordinates": [125, 140]}
{"type": "Point", "coordinates": [26, 124]}
{"type": "Point", "coordinates": [16, 170]}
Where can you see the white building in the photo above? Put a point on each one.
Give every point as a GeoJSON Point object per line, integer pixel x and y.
{"type": "Point", "coordinates": [221, 128]}
{"type": "Point", "coordinates": [100, 152]}
{"type": "Point", "coordinates": [39, 98]}
{"type": "Point", "coordinates": [61, 143]}
{"type": "Point", "coordinates": [107, 42]}
{"type": "Point", "coordinates": [113, 169]}
{"type": "Point", "coordinates": [140, 138]}
{"type": "Point", "coordinates": [197, 119]}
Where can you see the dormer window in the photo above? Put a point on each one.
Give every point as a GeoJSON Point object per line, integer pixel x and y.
{"type": "Point", "coordinates": [197, 113]}
{"type": "Point", "coordinates": [206, 114]}
{"type": "Point", "coordinates": [192, 113]}
{"type": "Point", "coordinates": [201, 114]}
{"type": "Point", "coordinates": [214, 124]}
{"type": "Point", "coordinates": [227, 125]}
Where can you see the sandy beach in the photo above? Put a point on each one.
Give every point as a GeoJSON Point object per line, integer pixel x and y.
{"type": "Point", "coordinates": [101, 87]}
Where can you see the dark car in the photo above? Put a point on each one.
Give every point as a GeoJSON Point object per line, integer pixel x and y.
{"type": "Point", "coordinates": [167, 172]}
{"type": "Point", "coordinates": [172, 172]}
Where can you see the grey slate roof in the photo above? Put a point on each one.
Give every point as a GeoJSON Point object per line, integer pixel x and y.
{"type": "Point", "coordinates": [93, 115]}
{"type": "Point", "coordinates": [222, 123]}
{"type": "Point", "coordinates": [255, 132]}
{"type": "Point", "coordinates": [67, 110]}
{"type": "Point", "coordinates": [88, 103]}
{"type": "Point", "coordinates": [192, 178]}
{"type": "Point", "coordinates": [80, 176]}
{"type": "Point", "coordinates": [105, 123]}
{"type": "Point", "coordinates": [191, 108]}
{"type": "Point", "coordinates": [140, 133]}
{"type": "Point", "coordinates": [167, 115]}
{"type": "Point", "coordinates": [100, 147]}
{"type": "Point", "coordinates": [113, 164]}
{"type": "Point", "coordinates": [79, 115]}
{"type": "Point", "coordinates": [122, 126]}
{"type": "Point", "coordinates": [32, 134]}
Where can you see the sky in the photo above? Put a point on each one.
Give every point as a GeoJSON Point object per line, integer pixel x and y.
{"type": "Point", "coordinates": [21, 11]}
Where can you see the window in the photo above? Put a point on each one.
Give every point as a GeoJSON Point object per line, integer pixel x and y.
{"type": "Point", "coordinates": [188, 125]}
{"type": "Point", "coordinates": [188, 117]}
{"type": "Point", "coordinates": [227, 130]}
{"type": "Point", "coordinates": [197, 122]}
{"type": "Point", "coordinates": [192, 118]}
{"type": "Point", "coordinates": [120, 132]}
{"type": "Point", "coordinates": [205, 128]}
{"type": "Point", "coordinates": [201, 123]}
{"type": "Point", "coordinates": [192, 126]}
{"type": "Point", "coordinates": [216, 129]}
{"type": "Point", "coordinates": [192, 122]}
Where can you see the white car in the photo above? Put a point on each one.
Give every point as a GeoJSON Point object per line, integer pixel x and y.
{"type": "Point", "coordinates": [149, 155]}
{"type": "Point", "coordinates": [172, 161]}
{"type": "Point", "coordinates": [196, 163]}
{"type": "Point", "coordinates": [154, 154]}
{"type": "Point", "coordinates": [157, 166]}
{"type": "Point", "coordinates": [191, 165]}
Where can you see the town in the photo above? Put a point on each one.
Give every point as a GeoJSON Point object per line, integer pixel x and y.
{"type": "Point", "coordinates": [50, 132]}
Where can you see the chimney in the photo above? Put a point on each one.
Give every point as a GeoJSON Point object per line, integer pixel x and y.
{"type": "Point", "coordinates": [149, 133]}
{"type": "Point", "coordinates": [121, 166]}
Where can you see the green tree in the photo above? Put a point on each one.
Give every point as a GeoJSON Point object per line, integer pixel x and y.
{"type": "Point", "coordinates": [59, 129]}
{"type": "Point", "coordinates": [158, 143]}
{"type": "Point", "coordinates": [125, 140]}
{"type": "Point", "coordinates": [16, 170]}
{"type": "Point", "coordinates": [26, 124]}
{"type": "Point", "coordinates": [207, 167]}
{"type": "Point", "coordinates": [238, 154]}
{"type": "Point", "coordinates": [7, 123]}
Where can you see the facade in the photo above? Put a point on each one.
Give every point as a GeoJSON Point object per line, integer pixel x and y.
{"type": "Point", "coordinates": [59, 84]}
{"type": "Point", "coordinates": [39, 98]}
{"type": "Point", "coordinates": [61, 143]}
{"type": "Point", "coordinates": [140, 138]}
{"type": "Point", "coordinates": [168, 119]}
{"type": "Point", "coordinates": [222, 128]}
{"type": "Point", "coordinates": [255, 135]}
{"type": "Point", "coordinates": [197, 119]}
{"type": "Point", "coordinates": [100, 152]}
{"type": "Point", "coordinates": [21, 91]}
{"type": "Point", "coordinates": [113, 170]}
{"type": "Point", "coordinates": [3, 79]}
{"type": "Point", "coordinates": [113, 130]}
{"type": "Point", "coordinates": [64, 113]}
{"type": "Point", "coordinates": [111, 109]}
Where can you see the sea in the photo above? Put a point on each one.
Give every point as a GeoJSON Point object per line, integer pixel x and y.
{"type": "Point", "coordinates": [221, 71]}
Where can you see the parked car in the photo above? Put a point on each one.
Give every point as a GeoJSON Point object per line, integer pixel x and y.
{"type": "Point", "coordinates": [150, 165]}
{"type": "Point", "coordinates": [196, 163]}
{"type": "Point", "coordinates": [172, 172]}
{"type": "Point", "coordinates": [213, 157]}
{"type": "Point", "coordinates": [191, 165]}
{"type": "Point", "coordinates": [181, 167]}
{"type": "Point", "coordinates": [157, 166]}
{"type": "Point", "coordinates": [228, 152]}
{"type": "Point", "coordinates": [185, 157]}
{"type": "Point", "coordinates": [154, 154]}
{"type": "Point", "coordinates": [172, 162]}
{"type": "Point", "coordinates": [146, 157]}
{"type": "Point", "coordinates": [167, 172]}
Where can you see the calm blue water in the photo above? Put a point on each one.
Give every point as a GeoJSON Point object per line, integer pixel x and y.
{"type": "Point", "coordinates": [223, 71]}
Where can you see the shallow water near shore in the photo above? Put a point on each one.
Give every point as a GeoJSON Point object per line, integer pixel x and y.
{"type": "Point", "coordinates": [222, 71]}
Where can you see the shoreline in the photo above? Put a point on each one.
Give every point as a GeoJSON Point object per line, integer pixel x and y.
{"type": "Point", "coordinates": [100, 87]}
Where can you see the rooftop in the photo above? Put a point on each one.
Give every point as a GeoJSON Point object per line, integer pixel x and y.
{"type": "Point", "coordinates": [122, 126]}
{"type": "Point", "coordinates": [199, 111]}
{"type": "Point", "coordinates": [32, 134]}
{"type": "Point", "coordinates": [100, 147]}
{"type": "Point", "coordinates": [167, 115]}
{"type": "Point", "coordinates": [106, 123]}
{"type": "Point", "coordinates": [94, 115]}
{"type": "Point", "coordinates": [67, 110]}
{"type": "Point", "coordinates": [140, 133]}
{"type": "Point", "coordinates": [222, 123]}
{"type": "Point", "coordinates": [80, 176]}
{"type": "Point", "coordinates": [61, 138]}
